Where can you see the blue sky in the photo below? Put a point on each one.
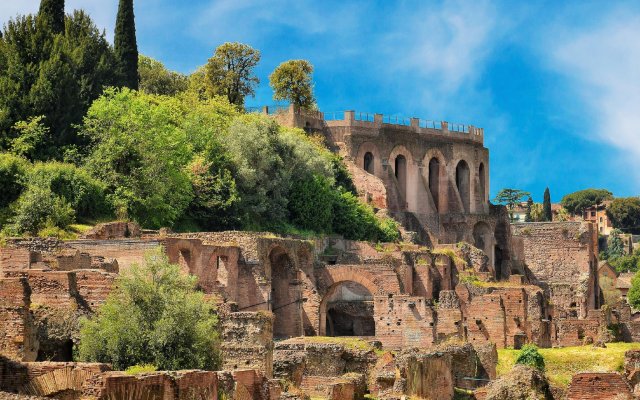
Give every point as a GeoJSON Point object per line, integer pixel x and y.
{"type": "Point", "coordinates": [555, 85]}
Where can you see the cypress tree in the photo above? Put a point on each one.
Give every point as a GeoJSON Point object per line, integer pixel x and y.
{"type": "Point", "coordinates": [527, 217]}
{"type": "Point", "coordinates": [546, 206]}
{"type": "Point", "coordinates": [51, 15]}
{"type": "Point", "coordinates": [125, 45]}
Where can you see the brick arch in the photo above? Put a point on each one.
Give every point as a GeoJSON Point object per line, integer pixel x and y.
{"type": "Point", "coordinates": [286, 298]}
{"type": "Point", "coordinates": [184, 252]}
{"type": "Point", "coordinates": [401, 162]}
{"type": "Point", "coordinates": [58, 381]}
{"type": "Point", "coordinates": [369, 147]}
{"type": "Point", "coordinates": [339, 275]}
{"type": "Point", "coordinates": [436, 182]}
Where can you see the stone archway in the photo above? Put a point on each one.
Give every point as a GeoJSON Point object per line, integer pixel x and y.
{"type": "Point", "coordinates": [349, 310]}
{"type": "Point", "coordinates": [64, 383]}
{"type": "Point", "coordinates": [463, 184]}
{"type": "Point", "coordinates": [286, 298]}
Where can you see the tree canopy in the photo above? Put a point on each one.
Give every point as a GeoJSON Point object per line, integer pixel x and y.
{"type": "Point", "coordinates": [511, 198]}
{"type": "Point", "coordinates": [624, 214]}
{"type": "Point", "coordinates": [230, 72]}
{"type": "Point", "coordinates": [578, 201]}
{"type": "Point", "coordinates": [292, 81]}
{"type": "Point", "coordinates": [154, 316]}
{"type": "Point", "coordinates": [156, 79]}
{"type": "Point", "coordinates": [546, 206]}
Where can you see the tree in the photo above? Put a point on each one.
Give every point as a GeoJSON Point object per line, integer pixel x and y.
{"type": "Point", "coordinates": [633, 296]}
{"type": "Point", "coordinates": [528, 217]}
{"type": "Point", "coordinates": [563, 215]}
{"type": "Point", "coordinates": [55, 76]}
{"type": "Point", "coordinates": [230, 73]}
{"type": "Point", "coordinates": [537, 212]}
{"type": "Point", "coordinates": [154, 316]}
{"type": "Point", "coordinates": [624, 214]}
{"type": "Point", "coordinates": [125, 44]}
{"type": "Point", "coordinates": [529, 355]}
{"type": "Point", "coordinates": [577, 202]}
{"type": "Point", "coordinates": [546, 206]}
{"type": "Point", "coordinates": [615, 247]}
{"type": "Point", "coordinates": [51, 15]}
{"type": "Point", "coordinates": [510, 198]}
{"type": "Point", "coordinates": [291, 81]}
{"type": "Point", "coordinates": [156, 79]}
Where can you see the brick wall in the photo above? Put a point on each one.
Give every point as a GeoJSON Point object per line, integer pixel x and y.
{"type": "Point", "coordinates": [599, 386]}
{"type": "Point", "coordinates": [247, 342]}
{"type": "Point", "coordinates": [17, 335]}
{"type": "Point", "coordinates": [404, 321]}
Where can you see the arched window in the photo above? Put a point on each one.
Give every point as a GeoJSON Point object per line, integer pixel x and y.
{"type": "Point", "coordinates": [368, 162]}
{"type": "Point", "coordinates": [434, 181]}
{"type": "Point", "coordinates": [401, 174]}
{"type": "Point", "coordinates": [462, 183]}
{"type": "Point", "coordinates": [481, 176]}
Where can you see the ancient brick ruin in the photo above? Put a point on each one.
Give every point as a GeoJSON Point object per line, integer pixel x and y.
{"type": "Point", "coordinates": [432, 311]}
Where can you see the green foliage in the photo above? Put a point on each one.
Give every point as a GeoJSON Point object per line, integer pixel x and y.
{"type": "Point", "coordinates": [30, 134]}
{"type": "Point", "coordinates": [56, 75]}
{"type": "Point", "coordinates": [140, 369]}
{"type": "Point", "coordinates": [154, 316]}
{"type": "Point", "coordinates": [125, 45]}
{"type": "Point", "coordinates": [626, 263]}
{"type": "Point", "coordinates": [139, 150]}
{"type": "Point", "coordinates": [291, 81]}
{"type": "Point", "coordinates": [343, 179]}
{"type": "Point", "coordinates": [311, 204]}
{"type": "Point", "coordinates": [156, 79]}
{"type": "Point", "coordinates": [13, 171]}
{"type": "Point", "coordinates": [577, 202]}
{"type": "Point", "coordinates": [357, 221]}
{"type": "Point", "coordinates": [229, 72]}
{"type": "Point", "coordinates": [528, 217]}
{"type": "Point", "coordinates": [51, 15]}
{"type": "Point", "coordinates": [633, 296]}
{"type": "Point", "coordinates": [537, 212]}
{"type": "Point", "coordinates": [624, 214]}
{"type": "Point", "coordinates": [37, 208]}
{"type": "Point", "coordinates": [76, 186]}
{"type": "Point", "coordinates": [510, 198]}
{"type": "Point", "coordinates": [615, 247]}
{"type": "Point", "coordinates": [546, 206]}
{"type": "Point", "coordinates": [529, 355]}
{"type": "Point", "coordinates": [215, 196]}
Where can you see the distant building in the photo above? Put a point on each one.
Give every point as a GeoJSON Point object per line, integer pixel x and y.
{"type": "Point", "coordinates": [623, 283]}
{"type": "Point", "coordinates": [606, 270]}
{"type": "Point", "coordinates": [598, 216]}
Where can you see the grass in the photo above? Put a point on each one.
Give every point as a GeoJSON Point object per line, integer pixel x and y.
{"type": "Point", "coordinates": [563, 363]}
{"type": "Point", "coordinates": [348, 342]}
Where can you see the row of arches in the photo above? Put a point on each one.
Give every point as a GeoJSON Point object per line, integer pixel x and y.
{"type": "Point", "coordinates": [436, 176]}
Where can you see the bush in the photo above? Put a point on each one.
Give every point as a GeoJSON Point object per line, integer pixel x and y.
{"type": "Point", "coordinates": [38, 208]}
{"type": "Point", "coordinates": [311, 204]}
{"type": "Point", "coordinates": [13, 170]}
{"type": "Point", "coordinates": [633, 296]}
{"type": "Point", "coordinates": [154, 316]}
{"type": "Point", "coordinates": [357, 221]}
{"type": "Point", "coordinates": [75, 185]}
{"type": "Point", "coordinates": [529, 355]}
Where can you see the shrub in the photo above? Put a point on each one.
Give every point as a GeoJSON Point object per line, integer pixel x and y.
{"type": "Point", "coordinates": [13, 170]}
{"type": "Point", "coordinates": [38, 208]}
{"type": "Point", "coordinates": [75, 185]}
{"type": "Point", "coordinates": [154, 316]}
{"type": "Point", "coordinates": [529, 355]}
{"type": "Point", "coordinates": [311, 204]}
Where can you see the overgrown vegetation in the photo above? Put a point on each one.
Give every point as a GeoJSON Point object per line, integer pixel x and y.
{"type": "Point", "coordinates": [530, 356]}
{"type": "Point", "coordinates": [562, 363]}
{"type": "Point", "coordinates": [154, 316]}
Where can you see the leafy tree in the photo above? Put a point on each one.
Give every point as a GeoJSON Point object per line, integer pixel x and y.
{"type": "Point", "coordinates": [30, 135]}
{"type": "Point", "coordinates": [510, 198]}
{"type": "Point", "coordinates": [546, 206]}
{"type": "Point", "coordinates": [575, 203]}
{"type": "Point", "coordinates": [51, 15]}
{"type": "Point", "coordinates": [529, 355]}
{"type": "Point", "coordinates": [627, 263]}
{"type": "Point", "coordinates": [528, 217]}
{"type": "Point", "coordinates": [563, 215]}
{"type": "Point", "coordinates": [52, 75]}
{"type": "Point", "coordinates": [633, 296]}
{"type": "Point", "coordinates": [615, 247]}
{"type": "Point", "coordinates": [311, 204]}
{"type": "Point", "coordinates": [291, 81]}
{"type": "Point", "coordinates": [139, 150]}
{"type": "Point", "coordinates": [156, 79]}
{"type": "Point", "coordinates": [125, 44]}
{"type": "Point", "coordinates": [230, 73]}
{"type": "Point", "coordinates": [154, 316]}
{"type": "Point", "coordinates": [38, 208]}
{"type": "Point", "coordinates": [537, 212]}
{"type": "Point", "coordinates": [624, 214]}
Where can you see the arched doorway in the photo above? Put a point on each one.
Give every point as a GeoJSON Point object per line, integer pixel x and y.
{"type": "Point", "coordinates": [462, 183]}
{"type": "Point", "coordinates": [368, 162]}
{"type": "Point", "coordinates": [501, 250]}
{"type": "Point", "coordinates": [401, 174]}
{"type": "Point", "coordinates": [434, 181]}
{"type": "Point", "coordinates": [482, 238]}
{"type": "Point", "coordinates": [286, 299]}
{"type": "Point", "coordinates": [349, 310]}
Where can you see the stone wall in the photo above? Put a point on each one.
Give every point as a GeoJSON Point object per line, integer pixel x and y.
{"type": "Point", "coordinates": [247, 342]}
{"type": "Point", "coordinates": [599, 386]}
{"type": "Point", "coordinates": [17, 334]}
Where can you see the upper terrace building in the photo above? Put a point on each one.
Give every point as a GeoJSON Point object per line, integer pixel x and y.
{"type": "Point", "coordinates": [432, 176]}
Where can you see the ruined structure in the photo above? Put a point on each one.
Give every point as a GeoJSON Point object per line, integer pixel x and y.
{"type": "Point", "coordinates": [469, 283]}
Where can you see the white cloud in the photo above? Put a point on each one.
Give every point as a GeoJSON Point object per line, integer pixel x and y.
{"type": "Point", "coordinates": [602, 65]}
